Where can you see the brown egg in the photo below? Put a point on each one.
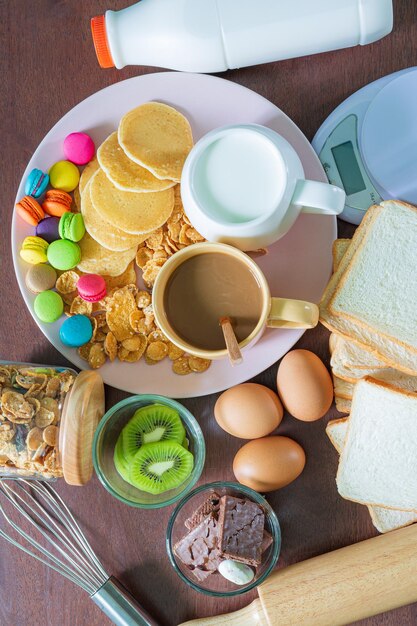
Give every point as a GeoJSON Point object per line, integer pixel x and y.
{"type": "Point", "coordinates": [269, 463]}
{"type": "Point", "coordinates": [304, 385]}
{"type": "Point", "coordinates": [248, 411]}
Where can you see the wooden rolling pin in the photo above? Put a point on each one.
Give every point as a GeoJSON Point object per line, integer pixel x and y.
{"type": "Point", "coordinates": [336, 588]}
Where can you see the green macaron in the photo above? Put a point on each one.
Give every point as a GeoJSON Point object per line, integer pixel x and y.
{"type": "Point", "coordinates": [71, 226]}
{"type": "Point", "coordinates": [48, 306]}
{"type": "Point", "coordinates": [64, 254]}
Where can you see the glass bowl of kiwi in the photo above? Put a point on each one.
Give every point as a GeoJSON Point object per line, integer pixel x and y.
{"type": "Point", "coordinates": [148, 451]}
{"type": "Point", "coordinates": [223, 539]}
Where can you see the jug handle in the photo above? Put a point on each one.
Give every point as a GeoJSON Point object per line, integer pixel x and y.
{"type": "Point", "coordinates": [318, 198]}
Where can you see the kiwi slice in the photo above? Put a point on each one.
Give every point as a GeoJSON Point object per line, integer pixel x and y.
{"type": "Point", "coordinates": [149, 424]}
{"type": "Point", "coordinates": [185, 443]}
{"type": "Point", "coordinates": [119, 460]}
{"type": "Point", "coordinates": [161, 466]}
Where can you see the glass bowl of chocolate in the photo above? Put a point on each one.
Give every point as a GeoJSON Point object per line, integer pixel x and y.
{"type": "Point", "coordinates": [223, 539]}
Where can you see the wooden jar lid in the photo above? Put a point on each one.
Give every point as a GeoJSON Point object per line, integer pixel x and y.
{"type": "Point", "coordinates": [83, 409]}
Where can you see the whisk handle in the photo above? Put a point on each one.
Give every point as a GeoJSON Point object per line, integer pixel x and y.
{"type": "Point", "coordinates": [120, 606]}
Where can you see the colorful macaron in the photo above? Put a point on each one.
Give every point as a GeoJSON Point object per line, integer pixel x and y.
{"type": "Point", "coordinates": [34, 250]}
{"type": "Point", "coordinates": [64, 254]}
{"type": "Point", "coordinates": [64, 175]}
{"type": "Point", "coordinates": [91, 287]}
{"type": "Point", "coordinates": [36, 183]}
{"type": "Point", "coordinates": [48, 229]}
{"type": "Point", "coordinates": [48, 306]}
{"type": "Point", "coordinates": [71, 226]}
{"type": "Point", "coordinates": [40, 277]}
{"type": "Point", "coordinates": [57, 202]}
{"type": "Point", "coordinates": [76, 331]}
{"type": "Point", "coordinates": [30, 210]}
{"type": "Point", "coordinates": [79, 148]}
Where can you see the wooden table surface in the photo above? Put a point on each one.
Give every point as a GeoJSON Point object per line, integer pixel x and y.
{"type": "Point", "coordinates": [48, 66]}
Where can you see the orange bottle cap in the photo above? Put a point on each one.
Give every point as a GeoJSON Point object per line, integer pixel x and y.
{"type": "Point", "coordinates": [101, 44]}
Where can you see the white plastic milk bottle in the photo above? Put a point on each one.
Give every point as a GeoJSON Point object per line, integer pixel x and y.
{"type": "Point", "coordinates": [216, 35]}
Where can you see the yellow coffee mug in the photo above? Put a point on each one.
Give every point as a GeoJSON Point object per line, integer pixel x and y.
{"type": "Point", "coordinates": [276, 312]}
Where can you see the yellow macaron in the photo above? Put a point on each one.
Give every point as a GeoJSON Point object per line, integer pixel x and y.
{"type": "Point", "coordinates": [34, 250]}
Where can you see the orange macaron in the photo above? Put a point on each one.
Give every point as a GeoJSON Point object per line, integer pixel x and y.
{"type": "Point", "coordinates": [30, 210]}
{"type": "Point", "coordinates": [56, 202]}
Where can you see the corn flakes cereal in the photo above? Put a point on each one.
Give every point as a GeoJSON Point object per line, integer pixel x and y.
{"type": "Point", "coordinates": [84, 351]}
{"type": "Point", "coordinates": [154, 241]}
{"type": "Point", "coordinates": [193, 235]}
{"type": "Point", "coordinates": [183, 235]}
{"type": "Point", "coordinates": [149, 361]}
{"type": "Point", "coordinates": [134, 319]}
{"type": "Point", "coordinates": [51, 461]}
{"type": "Point", "coordinates": [119, 309]}
{"type": "Point", "coordinates": [174, 230]}
{"type": "Point", "coordinates": [151, 270]}
{"type": "Point", "coordinates": [181, 366]}
{"type": "Point", "coordinates": [198, 365]}
{"type": "Point", "coordinates": [7, 431]}
{"type": "Point", "coordinates": [143, 255]}
{"type": "Point", "coordinates": [15, 406]}
{"type": "Point", "coordinates": [50, 404]}
{"type": "Point", "coordinates": [157, 335]}
{"type": "Point", "coordinates": [81, 307]}
{"type": "Point", "coordinates": [34, 438]}
{"type": "Point", "coordinates": [97, 356]}
{"type": "Point", "coordinates": [157, 350]}
{"type": "Point", "coordinates": [44, 417]}
{"type": "Point", "coordinates": [129, 355]}
{"type": "Point", "coordinates": [110, 346]}
{"type": "Point", "coordinates": [174, 352]}
{"type": "Point", "coordinates": [50, 436]}
{"type": "Point", "coordinates": [143, 299]}
{"type": "Point", "coordinates": [67, 282]}
{"type": "Point", "coordinates": [135, 343]}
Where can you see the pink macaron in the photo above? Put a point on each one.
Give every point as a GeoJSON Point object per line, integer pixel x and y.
{"type": "Point", "coordinates": [79, 148]}
{"type": "Point", "coordinates": [91, 287]}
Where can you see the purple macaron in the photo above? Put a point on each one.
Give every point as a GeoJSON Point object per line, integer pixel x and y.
{"type": "Point", "coordinates": [48, 229]}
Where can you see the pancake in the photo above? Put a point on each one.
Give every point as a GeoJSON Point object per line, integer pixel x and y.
{"type": "Point", "coordinates": [103, 232]}
{"type": "Point", "coordinates": [98, 260]}
{"type": "Point", "coordinates": [134, 213]}
{"type": "Point", "coordinates": [124, 173]}
{"type": "Point", "coordinates": [157, 137]}
{"type": "Point", "coordinates": [89, 170]}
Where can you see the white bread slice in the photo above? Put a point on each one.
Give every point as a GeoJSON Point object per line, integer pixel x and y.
{"type": "Point", "coordinates": [390, 375]}
{"type": "Point", "coordinates": [336, 431]}
{"type": "Point", "coordinates": [378, 289]}
{"type": "Point", "coordinates": [349, 354]}
{"type": "Point", "coordinates": [333, 341]}
{"type": "Point", "coordinates": [353, 356]}
{"type": "Point", "coordinates": [402, 219]}
{"type": "Point", "coordinates": [338, 250]}
{"type": "Point", "coordinates": [342, 405]}
{"type": "Point", "coordinates": [342, 388]}
{"type": "Point", "coordinates": [378, 464]}
{"type": "Point", "coordinates": [384, 520]}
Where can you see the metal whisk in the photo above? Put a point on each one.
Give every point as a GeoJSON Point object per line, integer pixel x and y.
{"type": "Point", "coordinates": [40, 504]}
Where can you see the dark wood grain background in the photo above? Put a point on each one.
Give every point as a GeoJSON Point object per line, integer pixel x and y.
{"type": "Point", "coordinates": [47, 66]}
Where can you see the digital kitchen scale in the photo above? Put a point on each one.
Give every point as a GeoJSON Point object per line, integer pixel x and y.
{"type": "Point", "coordinates": [368, 145]}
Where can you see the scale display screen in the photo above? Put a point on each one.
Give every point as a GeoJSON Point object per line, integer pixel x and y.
{"type": "Point", "coordinates": [348, 167]}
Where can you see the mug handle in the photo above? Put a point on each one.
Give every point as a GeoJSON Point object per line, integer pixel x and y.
{"type": "Point", "coordinates": [287, 313]}
{"type": "Point", "coordinates": [318, 198]}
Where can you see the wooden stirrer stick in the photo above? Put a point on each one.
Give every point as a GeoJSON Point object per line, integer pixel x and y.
{"type": "Point", "coordinates": [232, 345]}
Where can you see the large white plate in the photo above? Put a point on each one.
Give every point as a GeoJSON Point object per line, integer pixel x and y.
{"type": "Point", "coordinates": [298, 266]}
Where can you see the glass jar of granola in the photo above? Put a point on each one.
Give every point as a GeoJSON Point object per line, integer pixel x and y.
{"type": "Point", "coordinates": [48, 416]}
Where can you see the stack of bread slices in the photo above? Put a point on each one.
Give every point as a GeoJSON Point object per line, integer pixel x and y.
{"type": "Point", "coordinates": [370, 305]}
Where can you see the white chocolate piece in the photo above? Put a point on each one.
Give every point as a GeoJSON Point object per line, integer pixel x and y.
{"type": "Point", "coordinates": [237, 573]}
